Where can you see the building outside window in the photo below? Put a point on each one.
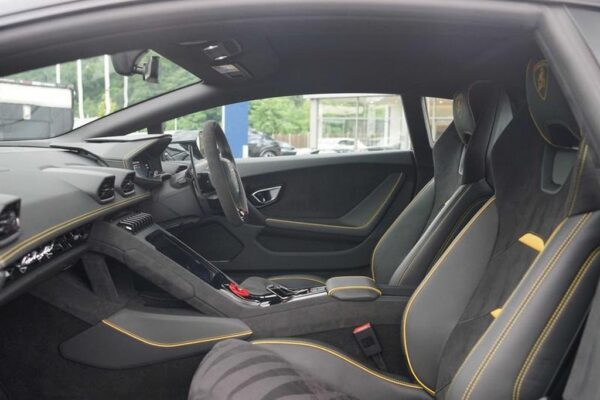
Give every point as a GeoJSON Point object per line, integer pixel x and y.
{"type": "Point", "coordinates": [357, 122]}
{"type": "Point", "coordinates": [439, 113]}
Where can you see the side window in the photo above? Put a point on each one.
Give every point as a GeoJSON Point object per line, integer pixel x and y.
{"type": "Point", "coordinates": [439, 113]}
{"type": "Point", "coordinates": [302, 125]}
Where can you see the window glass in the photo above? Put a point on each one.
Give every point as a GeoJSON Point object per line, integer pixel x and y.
{"type": "Point", "coordinates": [305, 125]}
{"type": "Point", "coordinates": [439, 113]}
{"type": "Point", "coordinates": [47, 102]}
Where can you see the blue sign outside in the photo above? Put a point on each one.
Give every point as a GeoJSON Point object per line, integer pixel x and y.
{"type": "Point", "coordinates": [235, 125]}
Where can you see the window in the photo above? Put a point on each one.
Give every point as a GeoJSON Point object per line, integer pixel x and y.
{"type": "Point", "coordinates": [47, 102]}
{"type": "Point", "coordinates": [439, 113]}
{"type": "Point", "coordinates": [305, 125]}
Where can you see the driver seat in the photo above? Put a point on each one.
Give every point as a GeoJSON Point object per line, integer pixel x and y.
{"type": "Point", "coordinates": [444, 205]}
{"type": "Point", "coordinates": [494, 317]}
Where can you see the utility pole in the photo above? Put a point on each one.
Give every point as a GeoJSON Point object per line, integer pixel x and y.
{"type": "Point", "coordinates": [80, 89]}
{"type": "Point", "coordinates": [125, 91]}
{"type": "Point", "coordinates": [57, 73]}
{"type": "Point", "coordinates": [106, 84]}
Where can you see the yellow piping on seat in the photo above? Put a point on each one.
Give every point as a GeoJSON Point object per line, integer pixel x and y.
{"type": "Point", "coordinates": [432, 272]}
{"type": "Point", "coordinates": [191, 342]}
{"type": "Point", "coordinates": [340, 356]}
{"type": "Point", "coordinates": [551, 323]}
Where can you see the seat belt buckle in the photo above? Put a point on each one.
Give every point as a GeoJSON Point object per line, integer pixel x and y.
{"type": "Point", "coordinates": [367, 339]}
{"type": "Point", "coordinates": [369, 344]}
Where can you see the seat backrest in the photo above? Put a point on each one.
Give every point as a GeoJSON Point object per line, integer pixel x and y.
{"type": "Point", "coordinates": [459, 187]}
{"type": "Point", "coordinates": [496, 313]}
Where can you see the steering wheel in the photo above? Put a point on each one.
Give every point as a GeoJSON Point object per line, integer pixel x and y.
{"type": "Point", "coordinates": [224, 175]}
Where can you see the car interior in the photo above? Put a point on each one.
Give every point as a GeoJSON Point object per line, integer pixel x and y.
{"type": "Point", "coordinates": [462, 268]}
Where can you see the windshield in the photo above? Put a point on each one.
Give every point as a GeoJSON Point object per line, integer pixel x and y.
{"type": "Point", "coordinates": [47, 102]}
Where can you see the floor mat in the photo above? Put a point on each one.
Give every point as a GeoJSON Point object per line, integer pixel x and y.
{"type": "Point", "coordinates": [32, 368]}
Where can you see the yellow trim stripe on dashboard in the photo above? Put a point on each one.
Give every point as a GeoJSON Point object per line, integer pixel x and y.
{"type": "Point", "coordinates": [42, 236]}
{"type": "Point", "coordinates": [190, 342]}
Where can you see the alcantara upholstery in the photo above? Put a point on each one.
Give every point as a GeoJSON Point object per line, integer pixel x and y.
{"type": "Point", "coordinates": [445, 204]}
{"type": "Point", "coordinates": [494, 317]}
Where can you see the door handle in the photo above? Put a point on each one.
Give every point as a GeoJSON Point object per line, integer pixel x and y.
{"type": "Point", "coordinates": [266, 196]}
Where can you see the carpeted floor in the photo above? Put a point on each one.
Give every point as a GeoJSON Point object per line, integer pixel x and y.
{"type": "Point", "coordinates": [32, 368]}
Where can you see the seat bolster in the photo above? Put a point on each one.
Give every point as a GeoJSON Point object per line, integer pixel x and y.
{"type": "Point", "coordinates": [335, 369]}
{"type": "Point", "coordinates": [521, 350]}
{"type": "Point", "coordinates": [402, 235]}
{"type": "Point", "coordinates": [455, 214]}
{"type": "Point", "coordinates": [438, 303]}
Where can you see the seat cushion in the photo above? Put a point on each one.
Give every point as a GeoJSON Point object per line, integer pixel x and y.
{"type": "Point", "coordinates": [278, 368]}
{"type": "Point", "coordinates": [235, 369]}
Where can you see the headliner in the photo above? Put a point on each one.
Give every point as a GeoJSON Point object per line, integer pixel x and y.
{"type": "Point", "coordinates": [324, 52]}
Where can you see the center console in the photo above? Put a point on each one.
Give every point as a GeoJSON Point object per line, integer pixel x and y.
{"type": "Point", "coordinates": [141, 225]}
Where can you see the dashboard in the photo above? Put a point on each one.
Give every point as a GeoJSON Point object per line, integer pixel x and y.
{"type": "Point", "coordinates": [50, 198]}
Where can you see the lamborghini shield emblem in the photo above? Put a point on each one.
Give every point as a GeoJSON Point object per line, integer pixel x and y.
{"type": "Point", "coordinates": [540, 78]}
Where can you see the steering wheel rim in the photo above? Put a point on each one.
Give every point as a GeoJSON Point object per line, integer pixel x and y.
{"type": "Point", "coordinates": [224, 175]}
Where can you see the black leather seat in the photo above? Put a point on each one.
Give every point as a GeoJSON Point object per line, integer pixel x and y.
{"type": "Point", "coordinates": [496, 313]}
{"type": "Point", "coordinates": [426, 227]}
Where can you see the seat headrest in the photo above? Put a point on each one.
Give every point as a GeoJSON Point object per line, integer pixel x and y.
{"type": "Point", "coordinates": [469, 104]}
{"type": "Point", "coordinates": [549, 109]}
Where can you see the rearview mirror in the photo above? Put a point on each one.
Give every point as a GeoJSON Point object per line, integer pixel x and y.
{"type": "Point", "coordinates": [129, 63]}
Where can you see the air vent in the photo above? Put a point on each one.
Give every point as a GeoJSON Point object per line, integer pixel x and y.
{"type": "Point", "coordinates": [9, 219]}
{"type": "Point", "coordinates": [106, 191]}
{"type": "Point", "coordinates": [137, 222]}
{"type": "Point", "coordinates": [127, 185]}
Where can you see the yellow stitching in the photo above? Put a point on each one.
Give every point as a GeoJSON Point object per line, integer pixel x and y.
{"type": "Point", "coordinates": [298, 277]}
{"type": "Point", "coordinates": [522, 306]}
{"type": "Point", "coordinates": [341, 356]}
{"type": "Point", "coordinates": [475, 205]}
{"type": "Point", "coordinates": [578, 178]}
{"type": "Point", "coordinates": [554, 233]}
{"type": "Point", "coordinates": [420, 249]}
{"type": "Point", "coordinates": [357, 287]}
{"type": "Point", "coordinates": [373, 217]}
{"type": "Point", "coordinates": [175, 344]}
{"type": "Point", "coordinates": [424, 282]}
{"type": "Point", "coordinates": [20, 246]}
{"type": "Point", "coordinates": [542, 133]}
{"type": "Point", "coordinates": [410, 205]}
{"type": "Point", "coordinates": [551, 323]}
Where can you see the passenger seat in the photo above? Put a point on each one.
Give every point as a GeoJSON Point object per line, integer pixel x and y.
{"type": "Point", "coordinates": [445, 204]}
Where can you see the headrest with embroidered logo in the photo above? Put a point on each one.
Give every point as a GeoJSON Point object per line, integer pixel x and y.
{"type": "Point", "coordinates": [469, 103]}
{"type": "Point", "coordinates": [548, 107]}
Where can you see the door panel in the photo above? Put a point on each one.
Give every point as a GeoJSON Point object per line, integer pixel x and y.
{"type": "Point", "coordinates": [329, 215]}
